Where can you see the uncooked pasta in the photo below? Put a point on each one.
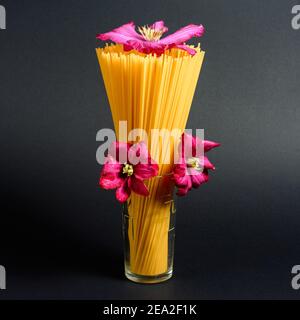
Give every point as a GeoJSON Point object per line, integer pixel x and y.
{"type": "Point", "coordinates": [150, 92]}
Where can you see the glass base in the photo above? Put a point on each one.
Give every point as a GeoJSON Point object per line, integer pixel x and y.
{"type": "Point", "coordinates": [148, 279]}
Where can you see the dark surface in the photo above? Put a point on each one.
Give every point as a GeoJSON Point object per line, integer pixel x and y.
{"type": "Point", "coordinates": [60, 235]}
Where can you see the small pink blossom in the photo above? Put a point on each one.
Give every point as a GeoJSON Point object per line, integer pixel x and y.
{"type": "Point", "coordinates": [192, 171]}
{"type": "Point", "coordinates": [129, 175]}
{"type": "Point", "coordinates": [148, 39]}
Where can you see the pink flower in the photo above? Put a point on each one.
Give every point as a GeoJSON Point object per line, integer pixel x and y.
{"type": "Point", "coordinates": [192, 171]}
{"type": "Point", "coordinates": [126, 168]}
{"type": "Point", "coordinates": [148, 39]}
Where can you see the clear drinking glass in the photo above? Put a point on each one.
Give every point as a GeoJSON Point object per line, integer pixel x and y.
{"type": "Point", "coordinates": [149, 233]}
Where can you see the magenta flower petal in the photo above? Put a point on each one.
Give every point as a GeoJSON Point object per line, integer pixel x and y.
{"type": "Point", "coordinates": [145, 167]}
{"type": "Point", "coordinates": [110, 177]}
{"type": "Point", "coordinates": [199, 178]}
{"type": "Point", "coordinates": [208, 145]}
{"type": "Point", "coordinates": [134, 44]}
{"type": "Point", "coordinates": [145, 46]}
{"type": "Point", "coordinates": [181, 181]}
{"type": "Point", "coordinates": [180, 169]}
{"type": "Point", "coordinates": [137, 186]}
{"type": "Point", "coordinates": [180, 175]}
{"type": "Point", "coordinates": [138, 153]}
{"type": "Point", "coordinates": [184, 34]}
{"type": "Point", "coordinates": [111, 165]}
{"type": "Point", "coordinates": [123, 192]}
{"type": "Point", "coordinates": [182, 191]}
{"type": "Point", "coordinates": [121, 34]}
{"type": "Point", "coordinates": [145, 171]}
{"type": "Point", "coordinates": [186, 48]}
{"type": "Point", "coordinates": [205, 144]}
{"type": "Point", "coordinates": [206, 163]}
{"type": "Point", "coordinates": [109, 182]}
{"type": "Point", "coordinates": [159, 26]}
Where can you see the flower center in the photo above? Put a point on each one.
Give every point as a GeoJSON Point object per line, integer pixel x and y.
{"type": "Point", "coordinates": [128, 169]}
{"type": "Point", "coordinates": [150, 34]}
{"type": "Point", "coordinates": [194, 163]}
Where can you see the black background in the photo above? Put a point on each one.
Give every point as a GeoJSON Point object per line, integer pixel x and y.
{"type": "Point", "coordinates": [60, 235]}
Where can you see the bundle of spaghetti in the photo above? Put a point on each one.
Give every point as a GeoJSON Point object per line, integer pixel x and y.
{"type": "Point", "coordinates": [151, 92]}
